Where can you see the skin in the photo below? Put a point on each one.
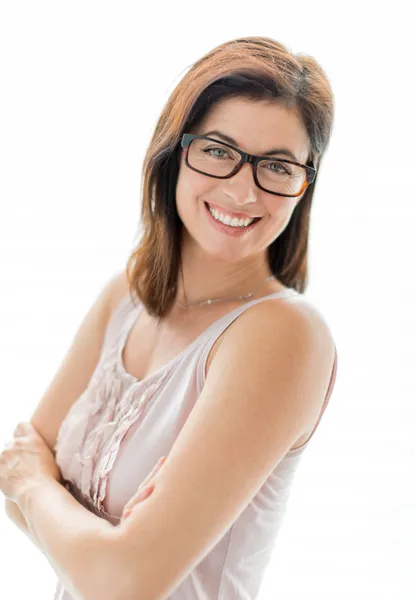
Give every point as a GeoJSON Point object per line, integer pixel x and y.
{"type": "Point", "coordinates": [26, 462]}
{"type": "Point", "coordinates": [214, 264]}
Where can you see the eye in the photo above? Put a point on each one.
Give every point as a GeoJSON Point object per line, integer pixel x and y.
{"type": "Point", "coordinates": [209, 150]}
{"type": "Point", "coordinates": [281, 168]}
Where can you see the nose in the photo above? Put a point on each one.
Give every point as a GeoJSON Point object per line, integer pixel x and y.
{"type": "Point", "coordinates": [241, 187]}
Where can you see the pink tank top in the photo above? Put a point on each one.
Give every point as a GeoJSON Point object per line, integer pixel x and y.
{"type": "Point", "coordinates": [118, 428]}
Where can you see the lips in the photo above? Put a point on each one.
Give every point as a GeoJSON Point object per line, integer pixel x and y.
{"type": "Point", "coordinates": [234, 232]}
{"type": "Point", "coordinates": [232, 214]}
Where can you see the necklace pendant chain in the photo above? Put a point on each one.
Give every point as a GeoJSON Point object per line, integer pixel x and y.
{"type": "Point", "coordinates": [212, 301]}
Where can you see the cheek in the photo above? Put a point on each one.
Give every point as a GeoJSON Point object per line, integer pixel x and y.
{"type": "Point", "coordinates": [280, 208]}
{"type": "Point", "coordinates": [279, 219]}
{"type": "Point", "coordinates": [191, 189]}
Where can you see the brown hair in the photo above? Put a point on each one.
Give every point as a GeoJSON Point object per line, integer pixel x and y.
{"type": "Point", "coordinates": [257, 68]}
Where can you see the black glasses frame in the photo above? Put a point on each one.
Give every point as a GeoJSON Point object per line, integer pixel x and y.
{"type": "Point", "coordinates": [311, 172]}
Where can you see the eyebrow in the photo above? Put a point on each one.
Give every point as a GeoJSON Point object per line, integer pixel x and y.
{"type": "Point", "coordinates": [233, 142]}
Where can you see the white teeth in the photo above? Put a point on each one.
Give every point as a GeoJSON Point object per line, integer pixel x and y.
{"type": "Point", "coordinates": [227, 220]}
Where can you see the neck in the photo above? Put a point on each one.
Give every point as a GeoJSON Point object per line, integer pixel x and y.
{"type": "Point", "coordinates": [204, 277]}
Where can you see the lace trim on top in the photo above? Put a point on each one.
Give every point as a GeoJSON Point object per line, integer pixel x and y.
{"type": "Point", "coordinates": [99, 419]}
{"type": "Point", "coordinates": [96, 424]}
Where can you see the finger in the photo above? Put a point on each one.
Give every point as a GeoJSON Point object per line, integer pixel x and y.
{"type": "Point", "coordinates": [19, 431]}
{"type": "Point", "coordinates": [145, 483]}
{"type": "Point", "coordinates": [153, 471]}
{"type": "Point", "coordinates": [142, 495]}
{"type": "Point", "coordinates": [145, 489]}
{"type": "Point", "coordinates": [157, 466]}
{"type": "Point", "coordinates": [23, 429]}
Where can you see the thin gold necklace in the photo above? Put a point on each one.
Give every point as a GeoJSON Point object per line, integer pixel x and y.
{"type": "Point", "coordinates": [212, 301]}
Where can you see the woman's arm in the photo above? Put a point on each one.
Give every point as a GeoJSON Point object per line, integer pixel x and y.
{"type": "Point", "coordinates": [15, 514]}
{"type": "Point", "coordinates": [79, 545]}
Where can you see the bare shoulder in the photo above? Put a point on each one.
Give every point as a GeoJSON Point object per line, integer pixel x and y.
{"type": "Point", "coordinates": [291, 337]}
{"type": "Point", "coordinates": [120, 287]}
{"type": "Point", "coordinates": [298, 322]}
{"type": "Point", "coordinates": [293, 317]}
{"type": "Point", "coordinates": [305, 314]}
{"type": "Point", "coordinates": [265, 388]}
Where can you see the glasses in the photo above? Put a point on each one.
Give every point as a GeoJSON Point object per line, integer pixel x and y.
{"type": "Point", "coordinates": [218, 159]}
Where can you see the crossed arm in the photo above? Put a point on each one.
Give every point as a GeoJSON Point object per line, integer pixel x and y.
{"type": "Point", "coordinates": [77, 543]}
{"type": "Point", "coordinates": [258, 399]}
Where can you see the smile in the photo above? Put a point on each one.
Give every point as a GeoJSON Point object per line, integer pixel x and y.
{"type": "Point", "coordinates": [234, 230]}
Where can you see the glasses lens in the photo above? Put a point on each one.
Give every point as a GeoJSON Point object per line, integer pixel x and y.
{"type": "Point", "coordinates": [281, 177]}
{"type": "Point", "coordinates": [213, 158]}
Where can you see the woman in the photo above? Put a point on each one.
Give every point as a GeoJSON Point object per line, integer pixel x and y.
{"type": "Point", "coordinates": [211, 355]}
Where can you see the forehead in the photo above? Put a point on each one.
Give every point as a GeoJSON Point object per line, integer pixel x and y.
{"type": "Point", "coordinates": [258, 126]}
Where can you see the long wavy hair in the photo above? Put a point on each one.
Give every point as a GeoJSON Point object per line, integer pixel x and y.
{"type": "Point", "coordinates": [255, 68]}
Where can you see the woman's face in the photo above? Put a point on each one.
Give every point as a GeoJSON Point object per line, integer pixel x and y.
{"type": "Point", "coordinates": [255, 127]}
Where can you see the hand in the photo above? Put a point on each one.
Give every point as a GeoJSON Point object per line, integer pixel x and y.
{"type": "Point", "coordinates": [144, 490]}
{"type": "Point", "coordinates": [26, 461]}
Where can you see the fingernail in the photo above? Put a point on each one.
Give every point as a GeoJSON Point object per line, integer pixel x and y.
{"type": "Point", "coordinates": [146, 490]}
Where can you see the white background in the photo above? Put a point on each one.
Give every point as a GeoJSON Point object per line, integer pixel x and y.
{"type": "Point", "coordinates": [82, 85]}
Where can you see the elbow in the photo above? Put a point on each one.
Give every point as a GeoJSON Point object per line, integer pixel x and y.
{"type": "Point", "coordinates": [109, 577]}
{"type": "Point", "coordinates": [93, 567]}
